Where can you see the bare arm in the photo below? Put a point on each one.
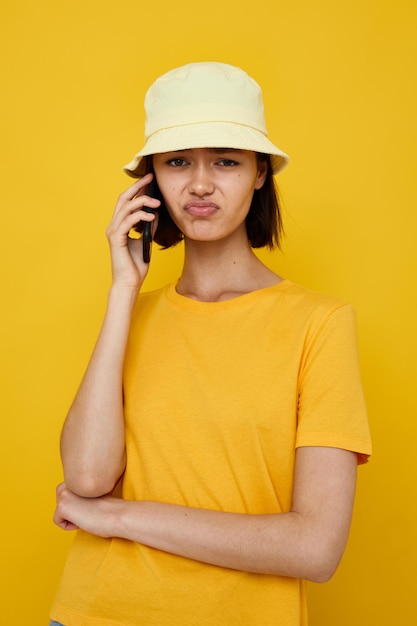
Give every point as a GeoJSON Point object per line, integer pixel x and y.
{"type": "Point", "coordinates": [307, 542]}
{"type": "Point", "coordinates": [92, 441]}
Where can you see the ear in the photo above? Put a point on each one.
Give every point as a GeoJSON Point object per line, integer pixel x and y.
{"type": "Point", "coordinates": [262, 172]}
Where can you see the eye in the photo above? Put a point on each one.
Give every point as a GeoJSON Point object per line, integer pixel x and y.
{"type": "Point", "coordinates": [177, 162]}
{"type": "Point", "coordinates": [227, 163]}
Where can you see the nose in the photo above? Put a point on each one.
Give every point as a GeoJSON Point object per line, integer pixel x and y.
{"type": "Point", "coordinates": [201, 180]}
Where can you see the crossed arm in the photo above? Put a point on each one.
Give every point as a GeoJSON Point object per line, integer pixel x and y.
{"type": "Point", "coordinates": [305, 542]}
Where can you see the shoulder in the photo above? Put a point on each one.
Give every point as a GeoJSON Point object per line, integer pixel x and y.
{"type": "Point", "coordinates": [155, 295]}
{"type": "Point", "coordinates": [309, 296]}
{"type": "Point", "coordinates": [305, 303]}
{"type": "Point", "coordinates": [148, 302]}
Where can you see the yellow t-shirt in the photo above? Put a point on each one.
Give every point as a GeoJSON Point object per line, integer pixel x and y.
{"type": "Point", "coordinates": [217, 397]}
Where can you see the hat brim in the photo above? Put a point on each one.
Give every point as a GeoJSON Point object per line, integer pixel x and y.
{"type": "Point", "coordinates": [207, 135]}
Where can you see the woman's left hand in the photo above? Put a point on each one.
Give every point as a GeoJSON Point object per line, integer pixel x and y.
{"type": "Point", "coordinates": [93, 515]}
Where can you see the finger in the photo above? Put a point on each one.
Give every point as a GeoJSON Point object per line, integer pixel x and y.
{"type": "Point", "coordinates": [127, 207]}
{"type": "Point", "coordinates": [120, 227]}
{"type": "Point", "coordinates": [134, 189]}
{"type": "Point", "coordinates": [139, 203]}
{"type": "Point", "coordinates": [64, 524]}
{"type": "Point", "coordinates": [130, 217]}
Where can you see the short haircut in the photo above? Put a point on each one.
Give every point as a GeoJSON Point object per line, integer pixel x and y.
{"type": "Point", "coordinates": [264, 225]}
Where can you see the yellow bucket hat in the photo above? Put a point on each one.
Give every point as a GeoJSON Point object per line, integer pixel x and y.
{"type": "Point", "coordinates": [205, 105]}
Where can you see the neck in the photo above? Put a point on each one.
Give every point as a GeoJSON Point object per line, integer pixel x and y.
{"type": "Point", "coordinates": [215, 271]}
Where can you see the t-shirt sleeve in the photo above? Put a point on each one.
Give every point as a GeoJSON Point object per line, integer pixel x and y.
{"type": "Point", "coordinates": [331, 404]}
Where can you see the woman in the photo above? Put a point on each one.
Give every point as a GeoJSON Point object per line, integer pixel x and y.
{"type": "Point", "coordinates": [210, 453]}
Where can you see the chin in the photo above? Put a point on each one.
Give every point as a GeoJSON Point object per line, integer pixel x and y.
{"type": "Point", "coordinates": [205, 232]}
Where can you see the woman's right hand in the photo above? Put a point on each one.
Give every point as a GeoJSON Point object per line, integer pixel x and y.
{"type": "Point", "coordinates": [128, 267]}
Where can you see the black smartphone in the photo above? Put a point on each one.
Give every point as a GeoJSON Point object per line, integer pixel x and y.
{"type": "Point", "coordinates": [146, 227]}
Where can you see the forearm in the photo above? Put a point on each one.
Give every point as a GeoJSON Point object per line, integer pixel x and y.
{"type": "Point", "coordinates": [286, 544]}
{"type": "Point", "coordinates": [307, 542]}
{"type": "Point", "coordinates": [92, 442]}
{"type": "Point", "coordinates": [264, 544]}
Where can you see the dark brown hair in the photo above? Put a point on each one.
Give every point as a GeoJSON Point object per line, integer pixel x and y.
{"type": "Point", "coordinates": [263, 222]}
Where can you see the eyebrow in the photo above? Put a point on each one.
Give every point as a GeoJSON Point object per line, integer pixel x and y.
{"type": "Point", "coordinates": [215, 150]}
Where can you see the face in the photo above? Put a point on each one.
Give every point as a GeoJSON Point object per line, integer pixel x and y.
{"type": "Point", "coordinates": [208, 192]}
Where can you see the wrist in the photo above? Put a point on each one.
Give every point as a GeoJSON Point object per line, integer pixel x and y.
{"type": "Point", "coordinates": [123, 294]}
{"type": "Point", "coordinates": [128, 517]}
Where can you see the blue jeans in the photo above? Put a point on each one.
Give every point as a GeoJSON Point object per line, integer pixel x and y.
{"type": "Point", "coordinates": [52, 623]}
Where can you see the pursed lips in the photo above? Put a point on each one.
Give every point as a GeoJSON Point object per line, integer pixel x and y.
{"type": "Point", "coordinates": [200, 208]}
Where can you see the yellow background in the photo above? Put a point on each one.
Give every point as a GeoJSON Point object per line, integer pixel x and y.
{"type": "Point", "coordinates": [340, 95]}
